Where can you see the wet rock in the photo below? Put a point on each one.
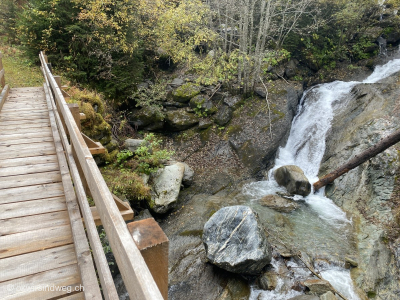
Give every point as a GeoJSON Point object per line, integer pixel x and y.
{"type": "Point", "coordinates": [279, 203]}
{"type": "Point", "coordinates": [318, 286]}
{"type": "Point", "coordinates": [328, 296]}
{"type": "Point", "coordinates": [224, 115]}
{"type": "Point", "coordinates": [233, 101]}
{"type": "Point", "coordinates": [166, 186]}
{"type": "Point", "coordinates": [188, 175]}
{"type": "Point", "coordinates": [293, 178]}
{"type": "Point", "coordinates": [268, 281]}
{"type": "Point", "coordinates": [186, 92]}
{"type": "Point", "coordinates": [205, 123]}
{"type": "Point", "coordinates": [132, 144]}
{"type": "Point", "coordinates": [148, 118]}
{"type": "Point", "coordinates": [178, 120]}
{"type": "Point", "coordinates": [236, 289]}
{"type": "Point", "coordinates": [305, 297]}
{"type": "Point", "coordinates": [235, 241]}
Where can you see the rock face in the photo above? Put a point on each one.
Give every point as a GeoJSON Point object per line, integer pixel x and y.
{"type": "Point", "coordinates": [370, 114]}
{"type": "Point", "coordinates": [278, 203]}
{"type": "Point", "coordinates": [293, 179]}
{"type": "Point", "coordinates": [148, 119]}
{"type": "Point", "coordinates": [188, 175]}
{"type": "Point", "coordinates": [318, 286]}
{"type": "Point", "coordinates": [180, 119]}
{"type": "Point", "coordinates": [166, 187]}
{"type": "Point", "coordinates": [235, 241]}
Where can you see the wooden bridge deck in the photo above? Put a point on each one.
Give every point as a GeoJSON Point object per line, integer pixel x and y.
{"type": "Point", "coordinates": [37, 253]}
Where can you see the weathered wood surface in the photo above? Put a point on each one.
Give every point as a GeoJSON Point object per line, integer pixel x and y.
{"type": "Point", "coordinates": [136, 275]}
{"type": "Point", "coordinates": [382, 145]}
{"type": "Point", "coordinates": [37, 243]}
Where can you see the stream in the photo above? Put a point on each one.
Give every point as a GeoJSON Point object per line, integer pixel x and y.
{"type": "Point", "coordinates": [318, 228]}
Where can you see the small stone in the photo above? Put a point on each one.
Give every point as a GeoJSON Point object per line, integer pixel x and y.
{"type": "Point", "coordinates": [328, 296]}
{"type": "Point", "coordinates": [318, 286]}
{"type": "Point", "coordinates": [293, 179]}
{"type": "Point", "coordinates": [268, 281]}
{"type": "Point", "coordinates": [133, 144]}
{"type": "Point", "coordinates": [279, 203]}
{"type": "Point", "coordinates": [205, 123]}
{"type": "Point", "coordinates": [351, 262]}
{"type": "Point", "coordinates": [188, 175]}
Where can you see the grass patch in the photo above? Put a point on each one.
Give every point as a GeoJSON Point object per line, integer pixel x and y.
{"type": "Point", "coordinates": [19, 70]}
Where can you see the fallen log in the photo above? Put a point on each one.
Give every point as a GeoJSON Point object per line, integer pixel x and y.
{"type": "Point", "coordinates": [382, 145]}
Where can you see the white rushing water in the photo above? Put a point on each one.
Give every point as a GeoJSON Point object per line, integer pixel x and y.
{"type": "Point", "coordinates": [305, 148]}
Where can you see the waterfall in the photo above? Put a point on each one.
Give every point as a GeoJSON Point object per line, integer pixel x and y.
{"type": "Point", "coordinates": [305, 148]}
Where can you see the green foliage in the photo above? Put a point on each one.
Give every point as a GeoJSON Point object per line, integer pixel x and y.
{"type": "Point", "coordinates": [358, 49]}
{"type": "Point", "coordinates": [274, 57]}
{"type": "Point", "coordinates": [151, 97]}
{"type": "Point", "coordinates": [150, 156]}
{"type": "Point", "coordinates": [123, 156]}
{"type": "Point", "coordinates": [9, 10]}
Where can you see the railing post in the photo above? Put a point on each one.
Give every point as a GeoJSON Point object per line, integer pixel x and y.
{"type": "Point", "coordinates": [153, 245]}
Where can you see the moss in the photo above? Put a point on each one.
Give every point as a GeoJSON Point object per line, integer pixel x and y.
{"type": "Point", "coordinates": [371, 294]}
{"type": "Point", "coordinates": [186, 92]}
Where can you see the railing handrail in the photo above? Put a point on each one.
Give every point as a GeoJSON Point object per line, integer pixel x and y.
{"type": "Point", "coordinates": [135, 273]}
{"type": "Point", "coordinates": [4, 87]}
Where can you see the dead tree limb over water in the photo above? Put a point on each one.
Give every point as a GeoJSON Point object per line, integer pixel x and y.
{"type": "Point", "coordinates": [382, 145]}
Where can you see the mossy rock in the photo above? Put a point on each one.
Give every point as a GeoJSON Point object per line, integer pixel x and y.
{"type": "Point", "coordinates": [148, 118]}
{"type": "Point", "coordinates": [180, 119]}
{"type": "Point", "coordinates": [186, 92]}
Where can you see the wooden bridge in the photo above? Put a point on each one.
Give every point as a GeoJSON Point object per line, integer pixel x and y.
{"type": "Point", "coordinates": [46, 250]}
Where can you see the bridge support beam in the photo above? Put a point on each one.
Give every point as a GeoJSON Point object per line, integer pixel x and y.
{"type": "Point", "coordinates": [153, 245]}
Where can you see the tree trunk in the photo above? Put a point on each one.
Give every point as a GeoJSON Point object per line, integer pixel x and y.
{"type": "Point", "coordinates": [359, 159]}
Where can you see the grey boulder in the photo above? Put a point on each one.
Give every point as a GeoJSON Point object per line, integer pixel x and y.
{"type": "Point", "coordinates": [235, 241]}
{"type": "Point", "coordinates": [293, 179]}
{"type": "Point", "coordinates": [166, 186]}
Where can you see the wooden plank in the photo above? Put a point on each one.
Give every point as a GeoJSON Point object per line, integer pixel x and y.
{"type": "Point", "coordinates": [34, 160]}
{"type": "Point", "coordinates": [34, 240]}
{"type": "Point", "coordinates": [18, 148]}
{"type": "Point", "coordinates": [33, 192]}
{"type": "Point", "coordinates": [28, 169]}
{"type": "Point", "coordinates": [47, 284]}
{"type": "Point", "coordinates": [34, 207]}
{"type": "Point", "coordinates": [78, 296]}
{"type": "Point", "coordinates": [30, 179]}
{"type": "Point", "coordinates": [19, 136]}
{"type": "Point", "coordinates": [27, 152]}
{"type": "Point", "coordinates": [3, 96]}
{"type": "Point", "coordinates": [106, 280]}
{"type": "Point", "coordinates": [15, 127]}
{"type": "Point", "coordinates": [85, 262]}
{"type": "Point", "coordinates": [33, 222]}
{"type": "Point", "coordinates": [24, 110]}
{"type": "Point", "coordinates": [36, 262]}
{"type": "Point", "coordinates": [2, 79]}
{"type": "Point", "coordinates": [22, 130]}
{"type": "Point", "coordinates": [26, 141]}
{"type": "Point", "coordinates": [137, 277]}
{"type": "Point", "coordinates": [27, 122]}
{"type": "Point", "coordinates": [27, 89]}
{"type": "Point", "coordinates": [21, 119]}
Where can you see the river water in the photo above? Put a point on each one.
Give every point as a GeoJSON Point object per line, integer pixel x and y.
{"type": "Point", "coordinates": [318, 228]}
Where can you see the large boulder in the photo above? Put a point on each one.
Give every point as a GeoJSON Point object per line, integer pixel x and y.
{"type": "Point", "coordinates": [133, 144]}
{"type": "Point", "coordinates": [235, 241]}
{"type": "Point", "coordinates": [148, 118]}
{"type": "Point", "coordinates": [178, 120]}
{"type": "Point", "coordinates": [293, 179]}
{"type": "Point", "coordinates": [202, 104]}
{"type": "Point", "coordinates": [186, 92]}
{"type": "Point", "coordinates": [165, 188]}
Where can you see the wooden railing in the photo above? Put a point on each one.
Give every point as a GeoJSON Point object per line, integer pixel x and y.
{"type": "Point", "coordinates": [135, 273]}
{"type": "Point", "coordinates": [4, 88]}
